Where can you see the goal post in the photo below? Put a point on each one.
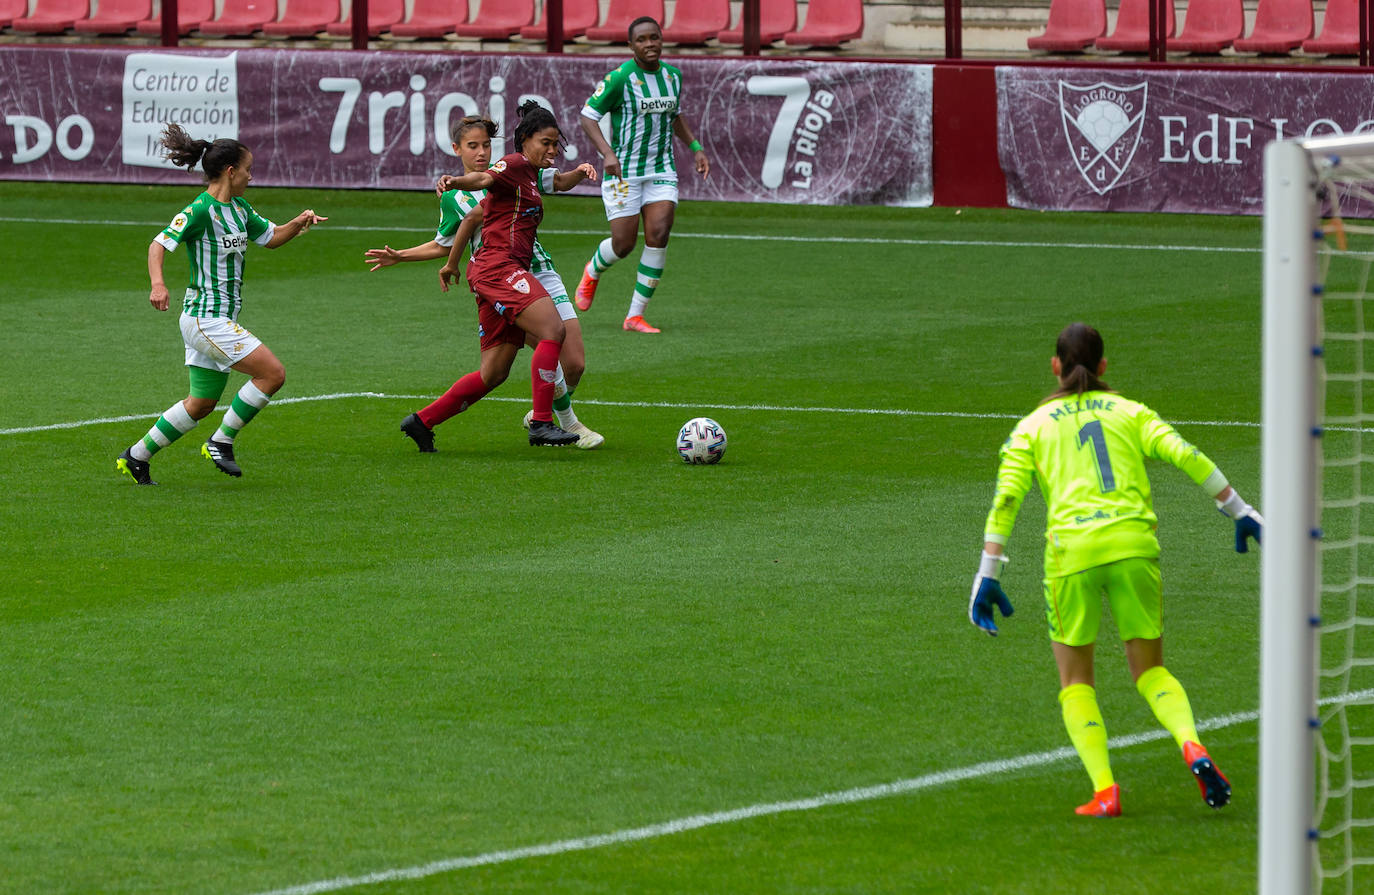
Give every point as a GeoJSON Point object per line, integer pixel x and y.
{"type": "Point", "coordinates": [1315, 414]}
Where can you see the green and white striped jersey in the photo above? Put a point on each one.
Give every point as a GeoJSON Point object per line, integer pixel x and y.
{"type": "Point", "coordinates": [455, 205]}
{"type": "Point", "coordinates": [216, 234]}
{"type": "Point", "coordinates": [642, 105]}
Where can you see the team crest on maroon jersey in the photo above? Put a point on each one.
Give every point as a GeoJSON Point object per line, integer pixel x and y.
{"type": "Point", "coordinates": [1102, 124]}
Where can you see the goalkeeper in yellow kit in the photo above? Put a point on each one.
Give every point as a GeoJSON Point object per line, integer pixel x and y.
{"type": "Point", "coordinates": [1087, 445]}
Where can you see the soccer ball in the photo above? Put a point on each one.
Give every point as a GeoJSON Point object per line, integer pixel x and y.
{"type": "Point", "coordinates": [701, 441]}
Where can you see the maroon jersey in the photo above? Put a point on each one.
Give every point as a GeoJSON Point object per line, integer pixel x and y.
{"type": "Point", "coordinates": [511, 213]}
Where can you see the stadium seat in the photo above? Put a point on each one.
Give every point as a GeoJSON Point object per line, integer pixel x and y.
{"type": "Point", "coordinates": [190, 13]}
{"type": "Point", "coordinates": [52, 16]}
{"type": "Point", "coordinates": [1280, 26]}
{"type": "Point", "coordinates": [303, 18]}
{"type": "Point", "coordinates": [1340, 30]}
{"type": "Point", "coordinates": [578, 16]}
{"type": "Point", "coordinates": [115, 17]}
{"type": "Point", "coordinates": [1132, 34]}
{"type": "Point", "coordinates": [776, 18]}
{"type": "Point", "coordinates": [11, 10]}
{"type": "Point", "coordinates": [828, 24]}
{"type": "Point", "coordinates": [432, 18]}
{"type": "Point", "coordinates": [240, 18]}
{"type": "Point", "coordinates": [381, 15]}
{"type": "Point", "coordinates": [1073, 26]}
{"type": "Point", "coordinates": [697, 22]}
{"type": "Point", "coordinates": [1210, 26]}
{"type": "Point", "coordinates": [619, 16]}
{"type": "Point", "coordinates": [498, 19]}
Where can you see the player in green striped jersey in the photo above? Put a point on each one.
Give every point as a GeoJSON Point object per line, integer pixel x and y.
{"type": "Point", "coordinates": [216, 229]}
{"type": "Point", "coordinates": [1087, 446]}
{"type": "Point", "coordinates": [472, 143]}
{"type": "Point", "coordinates": [642, 100]}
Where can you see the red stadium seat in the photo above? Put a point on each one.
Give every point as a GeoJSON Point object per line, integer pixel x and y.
{"type": "Point", "coordinates": [115, 17]}
{"type": "Point", "coordinates": [190, 13]}
{"type": "Point", "coordinates": [240, 18]}
{"type": "Point", "coordinates": [303, 18]}
{"type": "Point", "coordinates": [52, 16]}
{"type": "Point", "coordinates": [11, 10]}
{"type": "Point", "coordinates": [698, 21]}
{"type": "Point", "coordinates": [776, 18]}
{"type": "Point", "coordinates": [498, 19]}
{"type": "Point", "coordinates": [381, 15]}
{"type": "Point", "coordinates": [1280, 26]}
{"type": "Point", "coordinates": [1073, 25]}
{"type": "Point", "coordinates": [619, 16]}
{"type": "Point", "coordinates": [1340, 30]}
{"type": "Point", "coordinates": [432, 18]}
{"type": "Point", "coordinates": [578, 16]}
{"type": "Point", "coordinates": [1132, 34]}
{"type": "Point", "coordinates": [828, 24]}
{"type": "Point", "coordinates": [1210, 26]}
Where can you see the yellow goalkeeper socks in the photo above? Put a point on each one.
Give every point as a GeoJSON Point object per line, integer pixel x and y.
{"type": "Point", "coordinates": [1083, 720]}
{"type": "Point", "coordinates": [1169, 702]}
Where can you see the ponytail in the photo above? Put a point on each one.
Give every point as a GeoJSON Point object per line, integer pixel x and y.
{"type": "Point", "coordinates": [185, 152]}
{"type": "Point", "coordinates": [1079, 349]}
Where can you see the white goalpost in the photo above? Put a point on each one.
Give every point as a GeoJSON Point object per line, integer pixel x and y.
{"type": "Point", "coordinates": [1316, 731]}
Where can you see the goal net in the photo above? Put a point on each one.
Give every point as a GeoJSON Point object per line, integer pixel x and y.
{"type": "Point", "coordinates": [1317, 613]}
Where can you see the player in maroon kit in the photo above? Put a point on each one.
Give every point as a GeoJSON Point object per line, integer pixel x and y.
{"type": "Point", "coordinates": [510, 300]}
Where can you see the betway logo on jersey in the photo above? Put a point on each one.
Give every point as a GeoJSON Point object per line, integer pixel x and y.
{"type": "Point", "coordinates": [1102, 124]}
{"type": "Point", "coordinates": [657, 104]}
{"type": "Point", "coordinates": [236, 243]}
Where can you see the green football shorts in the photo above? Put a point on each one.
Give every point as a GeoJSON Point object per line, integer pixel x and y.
{"type": "Point", "coordinates": [1073, 603]}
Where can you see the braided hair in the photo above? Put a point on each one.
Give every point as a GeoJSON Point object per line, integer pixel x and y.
{"type": "Point", "coordinates": [185, 152]}
{"type": "Point", "coordinates": [533, 119]}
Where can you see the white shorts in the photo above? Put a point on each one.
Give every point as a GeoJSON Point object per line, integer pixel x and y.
{"type": "Point", "coordinates": [216, 343]}
{"type": "Point", "coordinates": [553, 284]}
{"type": "Point", "coordinates": [625, 196]}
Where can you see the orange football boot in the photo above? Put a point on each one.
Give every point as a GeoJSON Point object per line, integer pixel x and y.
{"type": "Point", "coordinates": [1216, 789]}
{"type": "Point", "coordinates": [1105, 803]}
{"type": "Point", "coordinates": [639, 325]}
{"type": "Point", "coordinates": [586, 290]}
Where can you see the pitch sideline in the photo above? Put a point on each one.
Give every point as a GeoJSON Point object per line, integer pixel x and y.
{"type": "Point", "coordinates": [700, 821]}
{"type": "Point", "coordinates": [668, 405]}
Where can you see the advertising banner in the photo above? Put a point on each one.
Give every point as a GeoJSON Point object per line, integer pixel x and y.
{"type": "Point", "coordinates": [795, 132]}
{"type": "Point", "coordinates": [1161, 140]}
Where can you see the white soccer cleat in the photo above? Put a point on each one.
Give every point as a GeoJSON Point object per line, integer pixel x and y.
{"type": "Point", "coordinates": [586, 438]}
{"type": "Point", "coordinates": [529, 417]}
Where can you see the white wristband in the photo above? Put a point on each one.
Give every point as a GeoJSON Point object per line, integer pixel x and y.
{"type": "Point", "coordinates": [990, 566]}
{"type": "Point", "coordinates": [1234, 506]}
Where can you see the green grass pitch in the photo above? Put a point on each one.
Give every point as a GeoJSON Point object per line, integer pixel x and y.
{"type": "Point", "coordinates": [358, 659]}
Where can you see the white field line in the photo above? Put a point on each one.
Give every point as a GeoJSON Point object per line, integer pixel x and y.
{"type": "Point", "coordinates": [699, 821]}
{"type": "Point", "coordinates": [734, 237]}
{"type": "Point", "coordinates": [683, 405]}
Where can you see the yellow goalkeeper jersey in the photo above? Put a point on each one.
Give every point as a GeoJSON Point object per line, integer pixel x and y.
{"type": "Point", "coordinates": [1088, 453]}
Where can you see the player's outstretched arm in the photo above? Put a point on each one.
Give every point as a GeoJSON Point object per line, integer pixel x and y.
{"type": "Point", "coordinates": [471, 181]}
{"type": "Point", "coordinates": [1249, 523]}
{"type": "Point", "coordinates": [452, 270]}
{"type": "Point", "coordinates": [157, 297]}
{"type": "Point", "coordinates": [295, 227]}
{"type": "Point", "coordinates": [987, 590]}
{"type": "Point", "coordinates": [386, 256]}
{"type": "Point", "coordinates": [566, 180]}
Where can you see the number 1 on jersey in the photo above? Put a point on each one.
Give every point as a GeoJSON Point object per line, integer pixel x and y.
{"type": "Point", "coordinates": [1093, 432]}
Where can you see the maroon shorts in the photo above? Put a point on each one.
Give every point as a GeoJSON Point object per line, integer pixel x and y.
{"type": "Point", "coordinates": [502, 293]}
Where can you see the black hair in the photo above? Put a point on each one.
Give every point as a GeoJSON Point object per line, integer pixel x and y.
{"type": "Point", "coordinates": [214, 157]}
{"type": "Point", "coordinates": [1079, 349]}
{"type": "Point", "coordinates": [533, 119]}
{"type": "Point", "coordinates": [467, 123]}
{"type": "Point", "coordinates": [642, 20]}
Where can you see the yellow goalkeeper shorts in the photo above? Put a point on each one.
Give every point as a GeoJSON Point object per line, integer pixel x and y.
{"type": "Point", "coordinates": [1133, 588]}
